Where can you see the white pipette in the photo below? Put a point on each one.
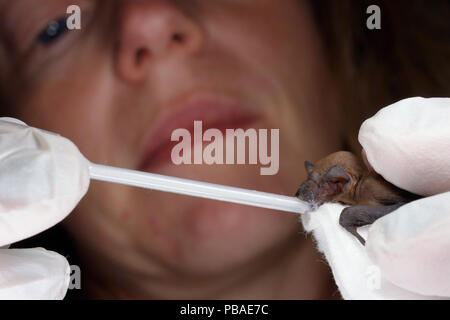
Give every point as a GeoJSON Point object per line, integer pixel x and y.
{"type": "Point", "coordinates": [197, 188]}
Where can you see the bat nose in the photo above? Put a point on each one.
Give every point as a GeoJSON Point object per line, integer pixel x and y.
{"type": "Point", "coordinates": [306, 192]}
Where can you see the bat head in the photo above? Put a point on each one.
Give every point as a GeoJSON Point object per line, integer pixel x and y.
{"type": "Point", "coordinates": [323, 184]}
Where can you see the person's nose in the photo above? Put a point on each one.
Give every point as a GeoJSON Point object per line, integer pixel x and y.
{"type": "Point", "coordinates": [152, 30]}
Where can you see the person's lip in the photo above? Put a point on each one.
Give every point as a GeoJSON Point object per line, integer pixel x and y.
{"type": "Point", "coordinates": [214, 112]}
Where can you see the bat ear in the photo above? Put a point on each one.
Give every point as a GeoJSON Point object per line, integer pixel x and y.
{"type": "Point", "coordinates": [309, 167]}
{"type": "Point", "coordinates": [337, 174]}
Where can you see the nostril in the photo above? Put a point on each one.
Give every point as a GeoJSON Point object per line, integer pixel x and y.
{"type": "Point", "coordinates": [304, 193]}
{"type": "Point", "coordinates": [141, 54]}
{"type": "Point", "coordinates": [178, 37]}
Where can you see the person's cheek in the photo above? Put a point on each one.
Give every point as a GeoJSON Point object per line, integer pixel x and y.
{"type": "Point", "coordinates": [73, 98]}
{"type": "Point", "coordinates": [289, 54]}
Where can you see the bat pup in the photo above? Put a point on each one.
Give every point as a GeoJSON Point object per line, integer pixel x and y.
{"type": "Point", "coordinates": [343, 177]}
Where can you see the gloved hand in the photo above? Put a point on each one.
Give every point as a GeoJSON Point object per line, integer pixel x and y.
{"type": "Point", "coordinates": [42, 178]}
{"type": "Point", "coordinates": [407, 252]}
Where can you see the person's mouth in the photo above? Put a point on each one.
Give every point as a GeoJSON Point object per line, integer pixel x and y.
{"type": "Point", "coordinates": [214, 112]}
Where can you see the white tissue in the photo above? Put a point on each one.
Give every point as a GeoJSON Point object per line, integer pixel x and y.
{"type": "Point", "coordinates": [356, 275]}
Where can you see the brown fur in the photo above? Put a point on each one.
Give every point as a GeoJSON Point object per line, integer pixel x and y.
{"type": "Point", "coordinates": [343, 177]}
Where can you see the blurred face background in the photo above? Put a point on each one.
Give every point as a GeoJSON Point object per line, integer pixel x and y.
{"type": "Point", "coordinates": [138, 69]}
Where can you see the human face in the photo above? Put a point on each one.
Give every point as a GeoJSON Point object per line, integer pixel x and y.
{"type": "Point", "coordinates": [135, 64]}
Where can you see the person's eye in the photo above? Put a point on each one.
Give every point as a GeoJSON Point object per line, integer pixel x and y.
{"type": "Point", "coordinates": [53, 31]}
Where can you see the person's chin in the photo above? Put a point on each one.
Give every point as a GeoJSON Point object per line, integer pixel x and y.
{"type": "Point", "coordinates": [221, 236]}
{"type": "Point", "coordinates": [210, 237]}
{"type": "Point", "coordinates": [204, 236]}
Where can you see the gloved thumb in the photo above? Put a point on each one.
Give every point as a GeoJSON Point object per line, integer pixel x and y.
{"type": "Point", "coordinates": [408, 143]}
{"type": "Point", "coordinates": [43, 177]}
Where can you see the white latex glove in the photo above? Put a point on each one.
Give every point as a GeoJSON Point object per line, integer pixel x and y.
{"type": "Point", "coordinates": [407, 252]}
{"type": "Point", "coordinates": [42, 178]}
